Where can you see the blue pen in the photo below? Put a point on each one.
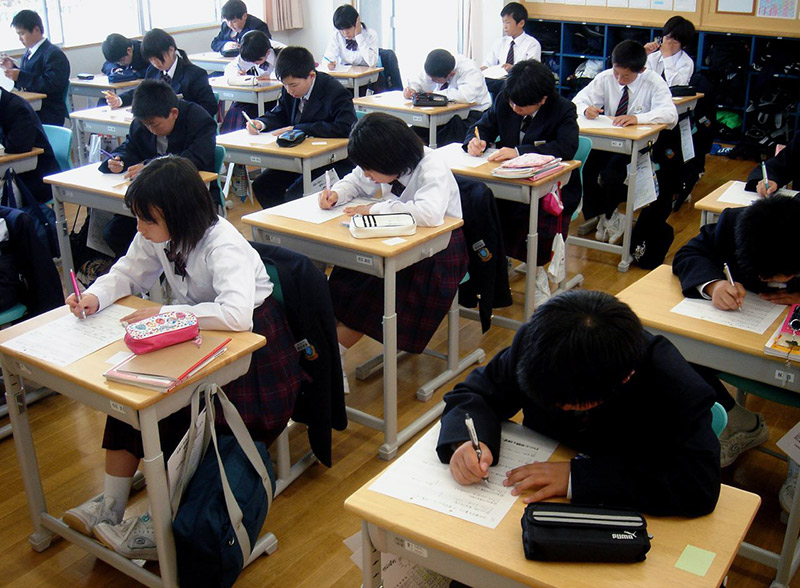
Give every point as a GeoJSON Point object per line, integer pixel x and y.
{"type": "Point", "coordinates": [326, 58]}
{"type": "Point", "coordinates": [107, 154]}
{"type": "Point", "coordinates": [764, 176]}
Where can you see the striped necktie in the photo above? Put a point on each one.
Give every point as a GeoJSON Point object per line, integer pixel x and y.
{"type": "Point", "coordinates": [166, 78]}
{"type": "Point", "coordinates": [622, 109]}
{"type": "Point", "coordinates": [397, 187]}
{"type": "Point", "coordinates": [510, 55]}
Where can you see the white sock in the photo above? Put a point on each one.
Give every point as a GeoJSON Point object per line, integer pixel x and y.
{"type": "Point", "coordinates": [342, 355]}
{"type": "Point", "coordinates": [741, 419]}
{"type": "Point", "coordinates": [118, 488]}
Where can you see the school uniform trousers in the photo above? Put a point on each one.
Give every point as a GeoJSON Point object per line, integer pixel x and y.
{"type": "Point", "coordinates": [46, 72]}
{"type": "Point", "coordinates": [553, 130]}
{"type": "Point", "coordinates": [783, 168]}
{"type": "Point", "coordinates": [668, 466]}
{"type": "Point", "coordinates": [193, 137]}
{"type": "Point", "coordinates": [227, 34]}
{"type": "Point", "coordinates": [20, 132]}
{"type": "Point", "coordinates": [327, 113]}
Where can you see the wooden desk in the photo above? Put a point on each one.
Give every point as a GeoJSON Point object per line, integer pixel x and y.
{"type": "Point", "coordinates": [20, 162]}
{"type": "Point", "coordinates": [494, 558]}
{"type": "Point", "coordinates": [262, 151]}
{"type": "Point", "coordinates": [258, 95]}
{"type": "Point", "coordinates": [528, 193]}
{"type": "Point", "coordinates": [710, 207]}
{"type": "Point", "coordinates": [629, 141]}
{"type": "Point", "coordinates": [102, 120]}
{"type": "Point", "coordinates": [330, 242]}
{"type": "Point", "coordinates": [684, 103]}
{"type": "Point", "coordinates": [724, 349]}
{"type": "Point", "coordinates": [429, 117]}
{"type": "Point", "coordinates": [83, 381]}
{"type": "Point", "coordinates": [33, 98]}
{"type": "Point", "coordinates": [210, 60]}
{"type": "Point", "coordinates": [94, 88]}
{"type": "Point", "coordinates": [356, 77]}
{"type": "Point", "coordinates": [87, 186]}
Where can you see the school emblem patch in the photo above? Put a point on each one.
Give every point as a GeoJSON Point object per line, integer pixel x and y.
{"type": "Point", "coordinates": [483, 252]}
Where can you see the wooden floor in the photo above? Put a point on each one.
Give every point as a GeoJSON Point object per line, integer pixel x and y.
{"type": "Point", "coordinates": [308, 517]}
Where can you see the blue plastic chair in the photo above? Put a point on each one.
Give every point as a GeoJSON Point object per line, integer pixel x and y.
{"type": "Point", "coordinates": [719, 419]}
{"type": "Point", "coordinates": [60, 139]}
{"type": "Point", "coordinates": [582, 154]}
{"type": "Point", "coordinates": [219, 157]}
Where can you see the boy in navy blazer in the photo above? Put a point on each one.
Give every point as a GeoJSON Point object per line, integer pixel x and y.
{"type": "Point", "coordinates": [44, 68]}
{"type": "Point", "coordinates": [236, 23]}
{"type": "Point", "coordinates": [162, 125]}
{"type": "Point", "coordinates": [312, 102]}
{"type": "Point", "coordinates": [123, 58]}
{"type": "Point", "coordinates": [781, 169]}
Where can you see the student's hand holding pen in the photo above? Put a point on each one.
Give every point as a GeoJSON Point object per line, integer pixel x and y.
{"type": "Point", "coordinates": [476, 146]}
{"type": "Point", "coordinates": [726, 296]}
{"type": "Point", "coordinates": [408, 93]}
{"type": "Point", "coordinates": [328, 199]}
{"type": "Point", "coordinates": [592, 112]}
{"type": "Point", "coordinates": [465, 467]}
{"type": "Point", "coordinates": [765, 190]}
{"type": "Point", "coordinates": [112, 99]}
{"type": "Point", "coordinates": [551, 477]}
{"type": "Point", "coordinates": [88, 304]}
{"type": "Point", "coordinates": [116, 165]}
{"type": "Point", "coordinates": [6, 62]}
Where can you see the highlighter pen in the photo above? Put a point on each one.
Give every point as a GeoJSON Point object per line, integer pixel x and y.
{"type": "Point", "coordinates": [764, 176]}
{"type": "Point", "coordinates": [249, 120]}
{"type": "Point", "coordinates": [77, 291]}
{"type": "Point", "coordinates": [473, 435]}
{"type": "Point", "coordinates": [728, 275]}
{"type": "Point", "coordinates": [328, 180]}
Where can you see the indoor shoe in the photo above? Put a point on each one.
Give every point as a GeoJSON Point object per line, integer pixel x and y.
{"type": "Point", "coordinates": [85, 517]}
{"type": "Point", "coordinates": [602, 223]}
{"type": "Point", "coordinates": [615, 229]}
{"type": "Point", "coordinates": [133, 538]}
{"type": "Point", "coordinates": [786, 494]}
{"type": "Point", "coordinates": [733, 444]}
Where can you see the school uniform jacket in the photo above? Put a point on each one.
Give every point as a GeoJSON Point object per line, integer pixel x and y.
{"type": "Point", "coordinates": [525, 47]}
{"type": "Point", "coordinates": [701, 260]}
{"type": "Point", "coordinates": [366, 53]}
{"type": "Point", "coordinates": [21, 131]}
{"type": "Point", "coordinates": [676, 69]}
{"type": "Point", "coordinates": [46, 72]}
{"type": "Point", "coordinates": [328, 113]}
{"type": "Point", "coordinates": [189, 80]}
{"type": "Point", "coordinates": [650, 446]}
{"type": "Point", "coordinates": [138, 63]}
{"type": "Point", "coordinates": [783, 168]}
{"type": "Point", "coordinates": [466, 85]}
{"type": "Point", "coordinates": [226, 34]}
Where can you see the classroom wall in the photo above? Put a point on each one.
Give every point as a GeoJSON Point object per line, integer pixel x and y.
{"type": "Point", "coordinates": [486, 19]}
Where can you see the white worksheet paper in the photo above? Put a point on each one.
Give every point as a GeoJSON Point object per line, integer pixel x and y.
{"type": "Point", "coordinates": [455, 156]}
{"type": "Point", "coordinates": [736, 194]}
{"type": "Point", "coordinates": [307, 209]}
{"type": "Point", "coordinates": [687, 145]}
{"type": "Point", "coordinates": [420, 478]}
{"type": "Point", "coordinates": [495, 72]}
{"type": "Point", "coordinates": [756, 315]}
{"type": "Point", "coordinates": [69, 338]}
{"type": "Point", "coordinates": [645, 182]}
{"type": "Point", "coordinates": [601, 122]}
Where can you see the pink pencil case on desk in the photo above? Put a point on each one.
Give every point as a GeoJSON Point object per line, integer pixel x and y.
{"type": "Point", "coordinates": [161, 330]}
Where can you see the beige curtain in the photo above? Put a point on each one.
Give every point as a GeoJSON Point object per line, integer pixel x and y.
{"type": "Point", "coordinates": [470, 27]}
{"type": "Point", "coordinates": [282, 15]}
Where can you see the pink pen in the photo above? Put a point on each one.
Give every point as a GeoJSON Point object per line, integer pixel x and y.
{"type": "Point", "coordinates": [77, 291]}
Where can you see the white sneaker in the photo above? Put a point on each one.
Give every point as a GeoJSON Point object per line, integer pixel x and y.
{"type": "Point", "coordinates": [615, 229]}
{"type": "Point", "coordinates": [85, 517]}
{"type": "Point", "coordinates": [342, 355]}
{"type": "Point", "coordinates": [733, 443]}
{"type": "Point", "coordinates": [133, 538]}
{"type": "Point", "coordinates": [542, 294]}
{"type": "Point", "coordinates": [602, 223]}
{"type": "Point", "coordinates": [786, 494]}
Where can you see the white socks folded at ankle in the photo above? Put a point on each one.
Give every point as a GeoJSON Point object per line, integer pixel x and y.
{"type": "Point", "coordinates": [342, 355]}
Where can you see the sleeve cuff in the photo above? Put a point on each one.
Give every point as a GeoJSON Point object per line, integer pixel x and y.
{"type": "Point", "coordinates": [701, 289]}
{"type": "Point", "coordinates": [569, 486]}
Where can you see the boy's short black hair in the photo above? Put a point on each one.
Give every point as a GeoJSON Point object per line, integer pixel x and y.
{"type": "Point", "coordinates": [153, 98]}
{"type": "Point", "coordinates": [515, 10]}
{"type": "Point", "coordinates": [156, 43]}
{"type": "Point", "coordinates": [766, 234]}
{"type": "Point", "coordinates": [385, 144]}
{"type": "Point", "coordinates": [439, 63]}
{"type": "Point", "coordinates": [345, 17]}
{"type": "Point", "coordinates": [578, 348]}
{"type": "Point", "coordinates": [528, 82]}
{"type": "Point", "coordinates": [294, 62]}
{"type": "Point", "coordinates": [27, 20]}
{"type": "Point", "coordinates": [115, 47]}
{"type": "Point", "coordinates": [630, 55]}
{"type": "Point", "coordinates": [680, 29]}
{"type": "Point", "coordinates": [233, 9]}
{"type": "Point", "coordinates": [255, 45]}
{"type": "Point", "coordinates": [173, 185]}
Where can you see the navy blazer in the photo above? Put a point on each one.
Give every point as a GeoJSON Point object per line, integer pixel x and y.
{"type": "Point", "coordinates": [782, 169]}
{"type": "Point", "coordinates": [328, 113]}
{"type": "Point", "coordinates": [190, 80]}
{"type": "Point", "coordinates": [650, 445]}
{"type": "Point", "coordinates": [138, 63]}
{"type": "Point", "coordinates": [47, 72]}
{"type": "Point", "coordinates": [702, 258]}
{"type": "Point", "coordinates": [251, 24]}
{"type": "Point", "coordinates": [21, 131]}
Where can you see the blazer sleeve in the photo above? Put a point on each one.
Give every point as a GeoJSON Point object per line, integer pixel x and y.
{"type": "Point", "coordinates": [17, 123]}
{"type": "Point", "coordinates": [133, 149]}
{"type": "Point", "coordinates": [340, 116]}
{"type": "Point", "coordinates": [223, 36]}
{"type": "Point", "coordinates": [562, 138]}
{"type": "Point", "coordinates": [281, 114]}
{"type": "Point", "coordinates": [108, 67]}
{"type": "Point", "coordinates": [54, 77]}
{"type": "Point", "coordinates": [781, 169]}
{"type": "Point", "coordinates": [199, 91]}
{"type": "Point", "coordinates": [488, 127]}
{"type": "Point", "coordinates": [201, 133]}
{"type": "Point", "coordinates": [701, 259]}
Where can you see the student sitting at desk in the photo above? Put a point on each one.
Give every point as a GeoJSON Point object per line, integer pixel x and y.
{"type": "Point", "coordinates": [20, 132]}
{"type": "Point", "coordinates": [757, 243]}
{"type": "Point", "coordinates": [668, 58]}
{"type": "Point", "coordinates": [214, 273]}
{"type": "Point", "coordinates": [781, 169]}
{"type": "Point", "coordinates": [171, 65]}
{"type": "Point", "coordinates": [124, 59]}
{"type": "Point", "coordinates": [312, 102]}
{"type": "Point", "coordinates": [584, 372]}
{"type": "Point", "coordinates": [631, 95]}
{"type": "Point", "coordinates": [413, 179]}
{"type": "Point", "coordinates": [514, 46]}
{"type": "Point", "coordinates": [352, 43]}
{"type": "Point", "coordinates": [43, 68]}
{"type": "Point", "coordinates": [530, 116]}
{"type": "Point", "coordinates": [458, 78]}
{"type": "Point", "coordinates": [162, 125]}
{"type": "Point", "coordinates": [236, 23]}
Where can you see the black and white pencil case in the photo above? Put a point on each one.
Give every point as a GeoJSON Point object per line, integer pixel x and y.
{"type": "Point", "coordinates": [397, 224]}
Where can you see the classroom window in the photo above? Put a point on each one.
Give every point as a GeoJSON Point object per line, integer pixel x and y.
{"type": "Point", "coordinates": [124, 14]}
{"type": "Point", "coordinates": [412, 32]}
{"type": "Point", "coordinates": [8, 8]}
{"type": "Point", "coordinates": [183, 13]}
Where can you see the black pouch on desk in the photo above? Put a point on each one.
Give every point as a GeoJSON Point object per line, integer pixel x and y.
{"type": "Point", "coordinates": [682, 91]}
{"type": "Point", "coordinates": [574, 532]}
{"type": "Point", "coordinates": [290, 138]}
{"type": "Point", "coordinates": [428, 99]}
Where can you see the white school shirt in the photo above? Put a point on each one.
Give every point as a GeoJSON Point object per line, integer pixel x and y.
{"type": "Point", "coordinates": [234, 67]}
{"type": "Point", "coordinates": [525, 47]}
{"type": "Point", "coordinates": [366, 54]}
{"type": "Point", "coordinates": [225, 281]}
{"type": "Point", "coordinates": [430, 194]}
{"type": "Point", "coordinates": [678, 68]}
{"type": "Point", "coordinates": [33, 49]}
{"type": "Point", "coordinates": [466, 85]}
{"type": "Point", "coordinates": [649, 98]}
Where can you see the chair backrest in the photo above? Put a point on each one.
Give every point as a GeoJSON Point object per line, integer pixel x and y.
{"type": "Point", "coordinates": [219, 157]}
{"type": "Point", "coordinates": [584, 148]}
{"type": "Point", "coordinates": [391, 70]}
{"type": "Point", "coordinates": [719, 418]}
{"type": "Point", "coordinates": [60, 139]}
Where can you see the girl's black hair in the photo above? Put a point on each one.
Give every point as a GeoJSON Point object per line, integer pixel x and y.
{"type": "Point", "coordinates": [385, 144]}
{"type": "Point", "coordinates": [255, 45]}
{"type": "Point", "coordinates": [173, 185]}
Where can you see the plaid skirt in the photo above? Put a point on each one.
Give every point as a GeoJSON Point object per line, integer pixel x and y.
{"type": "Point", "coordinates": [234, 119]}
{"type": "Point", "coordinates": [424, 294]}
{"type": "Point", "coordinates": [264, 396]}
{"type": "Point", "coordinates": [514, 218]}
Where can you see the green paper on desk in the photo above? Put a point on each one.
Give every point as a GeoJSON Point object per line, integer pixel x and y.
{"type": "Point", "coordinates": [695, 560]}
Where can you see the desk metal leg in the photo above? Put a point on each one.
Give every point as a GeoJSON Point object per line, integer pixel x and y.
{"type": "Point", "coordinates": [389, 448]}
{"type": "Point", "coordinates": [432, 133]}
{"type": "Point", "coordinates": [306, 177]}
{"type": "Point", "coordinates": [788, 561]}
{"type": "Point", "coordinates": [62, 233]}
{"type": "Point", "coordinates": [370, 560]}
{"type": "Point", "coordinates": [261, 104]}
{"type": "Point", "coordinates": [80, 131]}
{"type": "Point", "coordinates": [533, 248]}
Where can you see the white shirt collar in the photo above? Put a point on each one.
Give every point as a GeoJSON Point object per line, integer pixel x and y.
{"type": "Point", "coordinates": [171, 72]}
{"type": "Point", "coordinates": [33, 49]}
{"type": "Point", "coordinates": [307, 95]}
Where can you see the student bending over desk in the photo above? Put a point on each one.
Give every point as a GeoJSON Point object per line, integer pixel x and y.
{"type": "Point", "coordinates": [124, 59]}
{"type": "Point", "coordinates": [414, 179]}
{"type": "Point", "coordinates": [215, 274]}
{"type": "Point", "coordinates": [352, 43]}
{"type": "Point", "coordinates": [781, 169]}
{"type": "Point", "coordinates": [585, 373]}
{"type": "Point", "coordinates": [236, 23]}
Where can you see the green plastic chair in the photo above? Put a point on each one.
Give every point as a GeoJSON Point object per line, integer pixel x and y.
{"type": "Point", "coordinates": [719, 419]}
{"type": "Point", "coordinates": [13, 314]}
{"type": "Point", "coordinates": [584, 148]}
{"type": "Point", "coordinates": [219, 157]}
{"type": "Point", "coordinates": [60, 139]}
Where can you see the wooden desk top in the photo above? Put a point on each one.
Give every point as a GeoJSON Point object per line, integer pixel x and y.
{"type": "Point", "coordinates": [265, 143]}
{"type": "Point", "coordinates": [484, 172]}
{"type": "Point", "coordinates": [711, 202]}
{"type": "Point", "coordinates": [395, 101]}
{"type": "Point", "coordinates": [333, 233]}
{"type": "Point", "coordinates": [12, 157]}
{"type": "Point", "coordinates": [680, 100]}
{"type": "Point", "coordinates": [120, 116]}
{"type": "Point", "coordinates": [221, 83]}
{"type": "Point", "coordinates": [355, 72]}
{"type": "Point", "coordinates": [633, 132]}
{"type": "Point", "coordinates": [88, 372]}
{"type": "Point", "coordinates": [29, 96]}
{"type": "Point", "coordinates": [210, 56]}
{"type": "Point", "coordinates": [100, 81]}
{"type": "Point", "coordinates": [652, 297]}
{"type": "Point", "coordinates": [500, 550]}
